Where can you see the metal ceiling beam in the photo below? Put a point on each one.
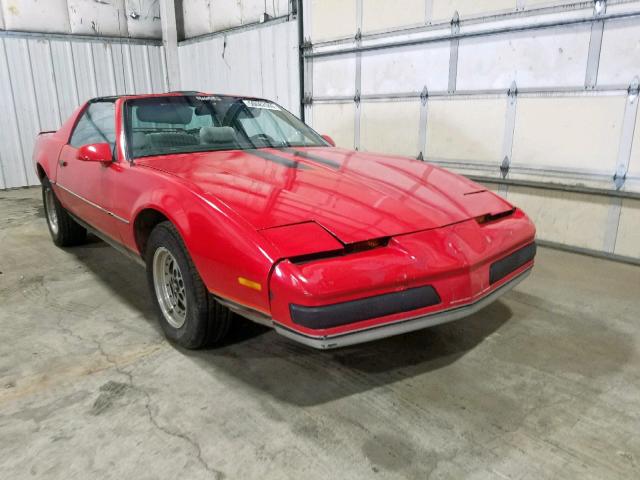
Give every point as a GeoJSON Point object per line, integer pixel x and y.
{"type": "Point", "coordinates": [170, 41]}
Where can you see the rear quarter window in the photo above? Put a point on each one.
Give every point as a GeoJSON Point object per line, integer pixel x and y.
{"type": "Point", "coordinates": [97, 125]}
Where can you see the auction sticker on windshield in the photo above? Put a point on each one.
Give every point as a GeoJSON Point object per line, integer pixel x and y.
{"type": "Point", "coordinates": [261, 104]}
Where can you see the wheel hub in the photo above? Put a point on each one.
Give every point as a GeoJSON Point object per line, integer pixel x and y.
{"type": "Point", "coordinates": [50, 207]}
{"type": "Point", "coordinates": [169, 286]}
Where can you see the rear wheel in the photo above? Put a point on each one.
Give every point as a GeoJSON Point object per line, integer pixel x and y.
{"type": "Point", "coordinates": [64, 230]}
{"type": "Point", "coordinates": [188, 315]}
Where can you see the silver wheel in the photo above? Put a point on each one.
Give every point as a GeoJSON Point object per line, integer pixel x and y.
{"type": "Point", "coordinates": [50, 206]}
{"type": "Point", "coordinates": [169, 287]}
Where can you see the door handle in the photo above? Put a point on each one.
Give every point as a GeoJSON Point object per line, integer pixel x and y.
{"type": "Point", "coordinates": [62, 163]}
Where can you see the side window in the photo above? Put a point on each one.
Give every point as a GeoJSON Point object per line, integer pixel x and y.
{"type": "Point", "coordinates": [97, 125]}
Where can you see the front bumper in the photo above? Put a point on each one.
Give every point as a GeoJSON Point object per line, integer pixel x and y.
{"type": "Point", "coordinates": [363, 296]}
{"type": "Point", "coordinates": [401, 326]}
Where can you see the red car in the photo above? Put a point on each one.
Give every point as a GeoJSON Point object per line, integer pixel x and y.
{"type": "Point", "coordinates": [235, 205]}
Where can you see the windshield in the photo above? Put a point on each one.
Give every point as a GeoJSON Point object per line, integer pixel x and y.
{"type": "Point", "coordinates": [184, 124]}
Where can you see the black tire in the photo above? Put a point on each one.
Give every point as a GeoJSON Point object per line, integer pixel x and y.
{"type": "Point", "coordinates": [67, 232]}
{"type": "Point", "coordinates": [206, 322]}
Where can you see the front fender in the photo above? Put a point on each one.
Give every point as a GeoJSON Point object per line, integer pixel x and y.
{"type": "Point", "coordinates": [223, 247]}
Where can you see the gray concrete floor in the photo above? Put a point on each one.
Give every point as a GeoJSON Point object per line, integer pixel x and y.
{"type": "Point", "coordinates": [542, 384]}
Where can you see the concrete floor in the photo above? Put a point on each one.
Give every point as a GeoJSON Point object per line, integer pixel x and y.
{"type": "Point", "coordinates": [542, 384]}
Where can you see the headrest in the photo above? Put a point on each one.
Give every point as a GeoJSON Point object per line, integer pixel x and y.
{"type": "Point", "coordinates": [217, 135]}
{"type": "Point", "coordinates": [171, 139]}
{"type": "Point", "coordinates": [138, 140]}
{"type": "Point", "coordinates": [165, 113]}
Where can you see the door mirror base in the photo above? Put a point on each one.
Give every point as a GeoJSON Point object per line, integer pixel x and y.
{"type": "Point", "coordinates": [329, 140]}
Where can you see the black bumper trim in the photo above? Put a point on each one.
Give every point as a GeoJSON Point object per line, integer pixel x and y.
{"type": "Point", "coordinates": [329, 316]}
{"type": "Point", "coordinates": [506, 265]}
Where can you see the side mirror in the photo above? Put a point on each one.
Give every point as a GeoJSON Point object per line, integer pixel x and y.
{"type": "Point", "coordinates": [95, 152]}
{"type": "Point", "coordinates": [329, 140]}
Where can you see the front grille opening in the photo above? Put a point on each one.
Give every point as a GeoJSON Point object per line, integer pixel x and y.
{"type": "Point", "coordinates": [482, 219]}
{"type": "Point", "coordinates": [347, 250]}
{"type": "Point", "coordinates": [366, 245]}
{"type": "Point", "coordinates": [301, 259]}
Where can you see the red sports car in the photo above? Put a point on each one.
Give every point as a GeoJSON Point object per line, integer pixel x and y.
{"type": "Point", "coordinates": [235, 205]}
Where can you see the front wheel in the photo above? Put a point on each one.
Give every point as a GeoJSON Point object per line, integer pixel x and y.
{"type": "Point", "coordinates": [64, 230]}
{"type": "Point", "coordinates": [188, 315]}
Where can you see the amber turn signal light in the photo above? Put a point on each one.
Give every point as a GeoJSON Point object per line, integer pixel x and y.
{"type": "Point", "coordinates": [245, 282]}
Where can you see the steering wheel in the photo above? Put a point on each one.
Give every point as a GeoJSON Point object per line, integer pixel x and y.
{"type": "Point", "coordinates": [263, 137]}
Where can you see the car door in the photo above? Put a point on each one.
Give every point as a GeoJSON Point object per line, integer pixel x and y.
{"type": "Point", "coordinates": [85, 188]}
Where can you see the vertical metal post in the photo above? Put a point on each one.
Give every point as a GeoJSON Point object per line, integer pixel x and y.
{"type": "Point", "coordinates": [595, 45]}
{"type": "Point", "coordinates": [622, 164]}
{"type": "Point", "coordinates": [509, 128]}
{"type": "Point", "coordinates": [422, 133]}
{"type": "Point", "coordinates": [358, 86]}
{"type": "Point", "coordinates": [626, 136]}
{"type": "Point", "coordinates": [296, 10]}
{"type": "Point", "coordinates": [170, 41]}
{"type": "Point", "coordinates": [306, 64]}
{"type": "Point", "coordinates": [453, 55]}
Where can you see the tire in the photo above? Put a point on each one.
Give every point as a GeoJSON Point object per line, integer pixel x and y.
{"type": "Point", "coordinates": [188, 314]}
{"type": "Point", "coordinates": [64, 230]}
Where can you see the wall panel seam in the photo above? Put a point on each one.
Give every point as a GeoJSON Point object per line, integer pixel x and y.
{"type": "Point", "coordinates": [18, 141]}
{"type": "Point", "coordinates": [112, 69]}
{"type": "Point", "coordinates": [55, 83]}
{"type": "Point", "coordinates": [92, 70]}
{"type": "Point", "coordinates": [612, 224]}
{"type": "Point", "coordinates": [34, 103]}
{"type": "Point", "coordinates": [72, 68]}
{"type": "Point", "coordinates": [147, 73]}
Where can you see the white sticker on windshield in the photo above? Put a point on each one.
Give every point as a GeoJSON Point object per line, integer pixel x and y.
{"type": "Point", "coordinates": [208, 98]}
{"type": "Point", "coordinates": [261, 104]}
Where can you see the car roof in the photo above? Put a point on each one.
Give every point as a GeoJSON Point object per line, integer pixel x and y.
{"type": "Point", "coordinates": [175, 93]}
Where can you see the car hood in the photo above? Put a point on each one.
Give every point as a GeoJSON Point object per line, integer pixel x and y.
{"type": "Point", "coordinates": [355, 196]}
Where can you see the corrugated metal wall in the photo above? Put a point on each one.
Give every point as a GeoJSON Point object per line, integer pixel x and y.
{"type": "Point", "coordinates": [84, 48]}
{"type": "Point", "coordinates": [44, 78]}
{"type": "Point", "coordinates": [260, 61]}
{"type": "Point", "coordinates": [536, 98]}
{"type": "Point", "coordinates": [112, 18]}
